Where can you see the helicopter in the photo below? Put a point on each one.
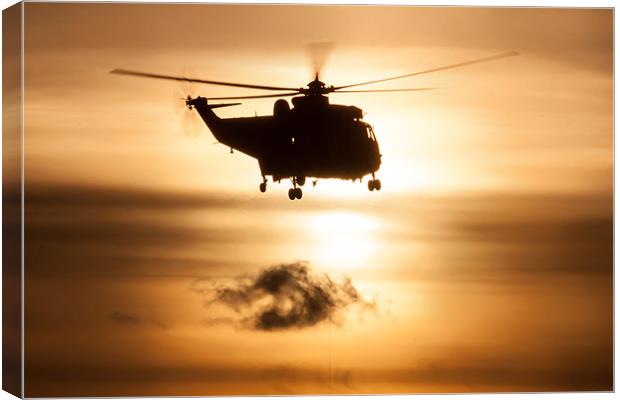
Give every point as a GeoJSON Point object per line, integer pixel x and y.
{"type": "Point", "coordinates": [312, 139]}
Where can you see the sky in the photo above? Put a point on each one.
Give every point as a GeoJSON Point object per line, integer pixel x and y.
{"type": "Point", "coordinates": [154, 265]}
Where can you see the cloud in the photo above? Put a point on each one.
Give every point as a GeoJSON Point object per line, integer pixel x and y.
{"type": "Point", "coordinates": [285, 296]}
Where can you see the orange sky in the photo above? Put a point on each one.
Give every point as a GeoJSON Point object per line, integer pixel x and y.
{"type": "Point", "coordinates": [488, 252]}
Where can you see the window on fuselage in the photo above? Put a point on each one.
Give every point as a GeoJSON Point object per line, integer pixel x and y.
{"type": "Point", "coordinates": [370, 133]}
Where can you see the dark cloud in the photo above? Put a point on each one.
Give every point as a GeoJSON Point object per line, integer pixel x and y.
{"type": "Point", "coordinates": [45, 196]}
{"type": "Point", "coordinates": [284, 296]}
{"type": "Point", "coordinates": [593, 230]}
{"type": "Point", "coordinates": [49, 204]}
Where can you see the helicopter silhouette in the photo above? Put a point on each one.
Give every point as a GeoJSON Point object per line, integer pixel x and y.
{"type": "Point", "coordinates": [313, 139]}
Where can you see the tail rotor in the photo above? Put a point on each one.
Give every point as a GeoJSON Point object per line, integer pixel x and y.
{"type": "Point", "coordinates": [183, 93]}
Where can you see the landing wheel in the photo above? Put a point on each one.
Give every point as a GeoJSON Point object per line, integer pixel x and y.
{"type": "Point", "coordinates": [263, 187]}
{"type": "Point", "coordinates": [374, 184]}
{"type": "Point", "coordinates": [295, 193]}
{"type": "Point", "coordinates": [301, 180]}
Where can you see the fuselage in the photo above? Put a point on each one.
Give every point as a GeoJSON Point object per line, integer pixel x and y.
{"type": "Point", "coordinates": [312, 139]}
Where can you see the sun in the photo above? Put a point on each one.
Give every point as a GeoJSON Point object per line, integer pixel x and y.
{"type": "Point", "coordinates": [343, 240]}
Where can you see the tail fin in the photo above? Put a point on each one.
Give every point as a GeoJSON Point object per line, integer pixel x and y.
{"type": "Point", "coordinates": [206, 113]}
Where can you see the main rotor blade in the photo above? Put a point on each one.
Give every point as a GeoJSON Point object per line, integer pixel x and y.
{"type": "Point", "coordinates": [264, 96]}
{"type": "Point", "coordinates": [461, 64]}
{"type": "Point", "coordinates": [186, 79]}
{"type": "Point", "coordinates": [384, 90]}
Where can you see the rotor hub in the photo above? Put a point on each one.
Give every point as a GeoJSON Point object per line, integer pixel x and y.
{"type": "Point", "coordinates": [316, 88]}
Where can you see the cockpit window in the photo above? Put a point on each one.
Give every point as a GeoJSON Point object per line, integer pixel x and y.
{"type": "Point", "coordinates": [370, 133]}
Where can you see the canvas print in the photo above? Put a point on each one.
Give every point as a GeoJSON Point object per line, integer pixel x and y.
{"type": "Point", "coordinates": [233, 199]}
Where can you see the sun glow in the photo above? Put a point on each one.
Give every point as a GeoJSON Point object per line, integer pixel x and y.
{"type": "Point", "coordinates": [342, 240]}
